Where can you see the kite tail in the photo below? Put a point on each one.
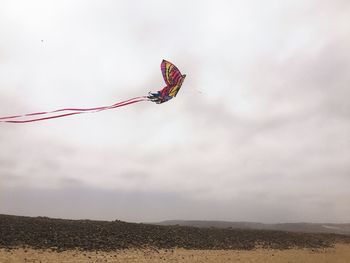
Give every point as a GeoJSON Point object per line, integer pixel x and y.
{"type": "Point", "coordinates": [70, 111]}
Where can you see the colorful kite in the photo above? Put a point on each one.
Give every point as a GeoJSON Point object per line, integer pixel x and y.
{"type": "Point", "coordinates": [172, 77]}
{"type": "Point", "coordinates": [173, 80]}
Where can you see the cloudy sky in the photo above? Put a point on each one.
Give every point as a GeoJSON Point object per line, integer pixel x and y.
{"type": "Point", "coordinates": [260, 130]}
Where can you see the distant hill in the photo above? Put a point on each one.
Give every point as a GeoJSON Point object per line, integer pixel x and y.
{"type": "Point", "coordinates": [343, 229]}
{"type": "Point", "coordinates": [63, 234]}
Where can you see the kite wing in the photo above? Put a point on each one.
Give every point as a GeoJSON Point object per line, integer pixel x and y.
{"type": "Point", "coordinates": [171, 74]}
{"type": "Point", "coordinates": [175, 89]}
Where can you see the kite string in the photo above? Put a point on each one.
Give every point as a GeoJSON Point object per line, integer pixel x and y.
{"type": "Point", "coordinates": [78, 111]}
{"type": "Point", "coordinates": [70, 109]}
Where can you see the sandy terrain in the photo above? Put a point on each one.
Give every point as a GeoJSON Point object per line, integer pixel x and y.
{"type": "Point", "coordinates": [339, 254]}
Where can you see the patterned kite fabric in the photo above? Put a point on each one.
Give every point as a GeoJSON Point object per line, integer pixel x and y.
{"type": "Point", "coordinates": [173, 80]}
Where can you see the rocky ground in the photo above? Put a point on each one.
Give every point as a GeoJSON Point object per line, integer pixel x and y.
{"type": "Point", "coordinates": [61, 235]}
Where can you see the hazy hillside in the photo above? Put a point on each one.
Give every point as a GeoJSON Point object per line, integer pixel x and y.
{"type": "Point", "coordinates": [294, 227]}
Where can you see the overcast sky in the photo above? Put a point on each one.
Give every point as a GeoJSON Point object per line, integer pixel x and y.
{"type": "Point", "coordinates": [260, 130]}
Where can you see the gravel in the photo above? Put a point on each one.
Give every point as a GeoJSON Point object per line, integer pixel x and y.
{"type": "Point", "coordinates": [89, 235]}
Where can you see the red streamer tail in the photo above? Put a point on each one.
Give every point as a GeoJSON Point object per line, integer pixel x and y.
{"type": "Point", "coordinates": [69, 111]}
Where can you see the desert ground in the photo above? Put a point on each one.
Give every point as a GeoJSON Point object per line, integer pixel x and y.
{"type": "Point", "coordinates": [339, 254]}
{"type": "Point", "coordinates": [42, 239]}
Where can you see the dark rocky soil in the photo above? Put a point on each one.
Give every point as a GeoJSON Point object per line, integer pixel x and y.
{"type": "Point", "coordinates": [60, 235]}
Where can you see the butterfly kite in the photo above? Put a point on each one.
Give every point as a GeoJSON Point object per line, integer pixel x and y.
{"type": "Point", "coordinates": [173, 80]}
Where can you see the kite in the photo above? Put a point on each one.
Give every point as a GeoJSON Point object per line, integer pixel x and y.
{"type": "Point", "coordinates": [173, 80]}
